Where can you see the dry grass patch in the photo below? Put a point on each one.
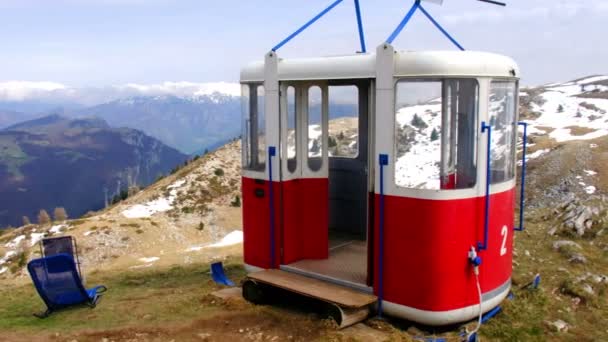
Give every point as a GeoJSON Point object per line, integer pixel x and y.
{"type": "Point", "coordinates": [579, 131]}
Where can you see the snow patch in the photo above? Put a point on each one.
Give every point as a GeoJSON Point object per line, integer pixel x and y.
{"type": "Point", "coordinates": [232, 238]}
{"type": "Point", "coordinates": [194, 249]}
{"type": "Point", "coordinates": [590, 189]}
{"type": "Point", "coordinates": [15, 242]}
{"type": "Point", "coordinates": [590, 172]}
{"type": "Point", "coordinates": [57, 228]}
{"type": "Point", "coordinates": [534, 155]}
{"type": "Point", "coordinates": [149, 260]}
{"type": "Point", "coordinates": [7, 256]}
{"type": "Point", "coordinates": [3, 269]}
{"type": "Point", "coordinates": [35, 238]}
{"type": "Point", "coordinates": [156, 206]}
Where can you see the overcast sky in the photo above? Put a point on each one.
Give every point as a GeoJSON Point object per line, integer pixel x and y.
{"type": "Point", "coordinates": [107, 42]}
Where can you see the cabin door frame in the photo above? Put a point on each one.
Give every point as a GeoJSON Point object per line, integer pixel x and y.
{"type": "Point", "coordinates": [304, 189]}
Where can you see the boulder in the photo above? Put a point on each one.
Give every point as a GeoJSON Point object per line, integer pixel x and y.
{"type": "Point", "coordinates": [566, 243]}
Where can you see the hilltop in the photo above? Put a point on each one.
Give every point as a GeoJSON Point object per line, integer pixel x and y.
{"type": "Point", "coordinates": [153, 249]}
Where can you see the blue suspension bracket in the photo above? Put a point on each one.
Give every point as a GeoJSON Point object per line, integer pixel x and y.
{"type": "Point", "coordinates": [383, 161]}
{"type": "Point", "coordinates": [409, 16]}
{"type": "Point", "coordinates": [272, 151]}
{"type": "Point", "coordinates": [482, 246]}
{"type": "Point", "coordinates": [522, 189]}
{"type": "Point", "coordinates": [360, 26]}
{"type": "Point", "coordinates": [321, 14]}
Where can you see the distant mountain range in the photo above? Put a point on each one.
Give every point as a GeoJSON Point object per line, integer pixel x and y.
{"type": "Point", "coordinates": [78, 164]}
{"type": "Point", "coordinates": [188, 116]}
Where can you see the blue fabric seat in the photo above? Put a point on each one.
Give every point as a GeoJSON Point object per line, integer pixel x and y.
{"type": "Point", "coordinates": [59, 284]}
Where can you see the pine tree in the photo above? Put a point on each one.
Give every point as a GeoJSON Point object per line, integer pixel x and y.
{"type": "Point", "coordinates": [434, 134]}
{"type": "Point", "coordinates": [43, 217]}
{"type": "Point", "coordinates": [560, 109]}
{"type": "Point", "coordinates": [60, 214]}
{"type": "Point", "coordinates": [418, 122]}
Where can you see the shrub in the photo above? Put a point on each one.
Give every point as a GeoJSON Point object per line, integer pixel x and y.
{"type": "Point", "coordinates": [60, 214]}
{"type": "Point", "coordinates": [418, 122]}
{"type": "Point", "coordinates": [331, 142]}
{"type": "Point", "coordinates": [201, 226]}
{"type": "Point", "coordinates": [218, 172]}
{"type": "Point", "coordinates": [26, 221]}
{"type": "Point", "coordinates": [236, 202]}
{"type": "Point", "coordinates": [434, 135]}
{"type": "Point", "coordinates": [43, 217]}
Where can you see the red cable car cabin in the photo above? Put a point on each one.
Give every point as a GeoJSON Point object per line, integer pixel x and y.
{"type": "Point", "coordinates": [371, 171]}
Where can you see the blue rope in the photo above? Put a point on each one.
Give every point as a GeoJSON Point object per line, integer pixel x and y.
{"type": "Point", "coordinates": [360, 26]}
{"type": "Point", "coordinates": [486, 127]}
{"type": "Point", "coordinates": [523, 178]}
{"type": "Point", "coordinates": [272, 151]}
{"type": "Point", "coordinates": [403, 22]}
{"type": "Point", "coordinates": [383, 161]}
{"type": "Point", "coordinates": [440, 28]}
{"type": "Point", "coordinates": [310, 22]}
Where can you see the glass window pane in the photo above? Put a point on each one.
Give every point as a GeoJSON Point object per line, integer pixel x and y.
{"type": "Point", "coordinates": [418, 137]}
{"type": "Point", "coordinates": [253, 140]}
{"type": "Point", "coordinates": [292, 151]}
{"type": "Point", "coordinates": [246, 127]}
{"type": "Point", "coordinates": [436, 134]}
{"type": "Point", "coordinates": [315, 132]}
{"type": "Point", "coordinates": [502, 120]}
{"type": "Point", "coordinates": [343, 138]}
{"type": "Point", "coordinates": [261, 138]}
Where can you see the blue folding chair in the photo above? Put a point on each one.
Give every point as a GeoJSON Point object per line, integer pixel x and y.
{"type": "Point", "coordinates": [59, 284]}
{"type": "Point", "coordinates": [218, 275]}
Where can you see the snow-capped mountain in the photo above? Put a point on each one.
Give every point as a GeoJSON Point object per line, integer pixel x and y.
{"type": "Point", "coordinates": [190, 124]}
{"type": "Point", "coordinates": [189, 116]}
{"type": "Point", "coordinates": [14, 94]}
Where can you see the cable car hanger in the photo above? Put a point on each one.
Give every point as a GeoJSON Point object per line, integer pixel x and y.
{"type": "Point", "coordinates": [417, 5]}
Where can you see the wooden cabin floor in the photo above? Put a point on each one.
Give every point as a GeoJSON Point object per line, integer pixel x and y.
{"type": "Point", "coordinates": [347, 261]}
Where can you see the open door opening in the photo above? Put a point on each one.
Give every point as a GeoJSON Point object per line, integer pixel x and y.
{"type": "Point", "coordinates": [347, 198]}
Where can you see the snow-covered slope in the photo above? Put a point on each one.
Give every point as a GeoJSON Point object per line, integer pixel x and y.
{"type": "Point", "coordinates": [575, 110]}
{"type": "Point", "coordinates": [561, 112]}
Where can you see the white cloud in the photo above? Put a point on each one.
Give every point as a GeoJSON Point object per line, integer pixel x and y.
{"type": "Point", "coordinates": [529, 10]}
{"type": "Point", "coordinates": [56, 92]}
{"type": "Point", "coordinates": [24, 90]}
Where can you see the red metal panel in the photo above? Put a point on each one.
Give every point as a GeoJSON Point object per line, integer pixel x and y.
{"type": "Point", "coordinates": [256, 222]}
{"type": "Point", "coordinates": [305, 219]}
{"type": "Point", "coordinates": [426, 244]}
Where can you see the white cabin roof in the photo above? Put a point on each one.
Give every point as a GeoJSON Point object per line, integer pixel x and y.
{"type": "Point", "coordinates": [407, 64]}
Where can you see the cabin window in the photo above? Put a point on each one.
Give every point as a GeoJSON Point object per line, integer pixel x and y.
{"type": "Point", "coordinates": [253, 139]}
{"type": "Point", "coordinates": [436, 134]}
{"type": "Point", "coordinates": [292, 131]}
{"type": "Point", "coordinates": [315, 131]}
{"type": "Point", "coordinates": [502, 119]}
{"type": "Point", "coordinates": [343, 138]}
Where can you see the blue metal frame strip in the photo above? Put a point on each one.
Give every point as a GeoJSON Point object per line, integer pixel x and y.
{"type": "Point", "coordinates": [272, 151]}
{"type": "Point", "coordinates": [360, 26]}
{"type": "Point", "coordinates": [522, 189]}
{"type": "Point", "coordinates": [440, 28]}
{"type": "Point", "coordinates": [383, 161]}
{"type": "Point", "coordinates": [403, 22]}
{"type": "Point", "coordinates": [484, 246]}
{"type": "Point", "coordinates": [310, 22]}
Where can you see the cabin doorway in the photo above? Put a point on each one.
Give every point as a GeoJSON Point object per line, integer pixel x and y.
{"type": "Point", "coordinates": [326, 184]}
